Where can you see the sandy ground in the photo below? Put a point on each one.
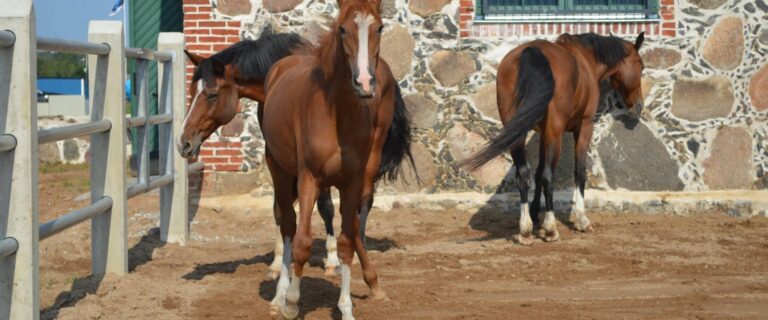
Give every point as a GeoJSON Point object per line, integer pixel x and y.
{"type": "Point", "coordinates": [433, 264]}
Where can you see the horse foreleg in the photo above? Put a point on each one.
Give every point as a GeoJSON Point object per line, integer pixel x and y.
{"type": "Point", "coordinates": [523, 180]}
{"type": "Point", "coordinates": [550, 151]}
{"type": "Point", "coordinates": [325, 206]}
{"type": "Point", "coordinates": [583, 138]}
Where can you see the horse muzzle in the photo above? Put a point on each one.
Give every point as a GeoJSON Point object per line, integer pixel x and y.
{"type": "Point", "coordinates": [364, 86]}
{"type": "Point", "coordinates": [637, 109]}
{"type": "Point", "coordinates": [188, 149]}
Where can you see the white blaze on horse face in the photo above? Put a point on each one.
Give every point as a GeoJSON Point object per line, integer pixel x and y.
{"type": "Point", "coordinates": [200, 87]}
{"type": "Point", "coordinates": [345, 299]}
{"type": "Point", "coordinates": [364, 77]}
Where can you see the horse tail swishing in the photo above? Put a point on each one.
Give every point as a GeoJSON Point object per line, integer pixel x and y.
{"type": "Point", "coordinates": [533, 92]}
{"type": "Point", "coordinates": [397, 147]}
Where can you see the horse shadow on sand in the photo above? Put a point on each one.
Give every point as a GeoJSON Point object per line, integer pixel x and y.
{"type": "Point", "coordinates": [139, 254]}
{"type": "Point", "coordinates": [500, 216]}
{"type": "Point", "coordinates": [315, 291]}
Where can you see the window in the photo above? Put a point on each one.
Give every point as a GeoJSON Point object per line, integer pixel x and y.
{"type": "Point", "coordinates": [602, 10]}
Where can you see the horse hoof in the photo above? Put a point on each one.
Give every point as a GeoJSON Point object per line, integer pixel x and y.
{"type": "Point", "coordinates": [584, 226]}
{"type": "Point", "coordinates": [379, 295]}
{"type": "Point", "coordinates": [332, 271]}
{"type": "Point", "coordinates": [551, 236]}
{"type": "Point", "coordinates": [289, 312]}
{"type": "Point", "coordinates": [525, 239]}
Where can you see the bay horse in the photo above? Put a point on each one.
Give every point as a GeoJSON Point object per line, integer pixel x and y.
{"type": "Point", "coordinates": [239, 71]}
{"type": "Point", "coordinates": [553, 88]}
{"type": "Point", "coordinates": [325, 124]}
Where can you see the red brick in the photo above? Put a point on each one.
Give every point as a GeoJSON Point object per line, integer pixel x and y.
{"type": "Point", "coordinates": [236, 159]}
{"type": "Point", "coordinates": [668, 2]}
{"type": "Point", "coordinates": [227, 167]}
{"type": "Point", "coordinates": [216, 144]}
{"type": "Point", "coordinates": [190, 9]}
{"type": "Point", "coordinates": [211, 24]}
{"type": "Point", "coordinates": [198, 47]}
{"type": "Point", "coordinates": [204, 9]}
{"type": "Point", "coordinates": [233, 23]}
{"type": "Point", "coordinates": [196, 31]}
{"type": "Point", "coordinates": [466, 3]}
{"type": "Point", "coordinates": [209, 39]}
{"type": "Point", "coordinates": [215, 159]}
{"type": "Point", "coordinates": [197, 16]}
{"type": "Point", "coordinates": [464, 34]}
{"type": "Point", "coordinates": [668, 25]}
{"type": "Point", "coordinates": [668, 33]}
{"type": "Point", "coordinates": [190, 24]}
{"type": "Point", "coordinates": [206, 152]}
{"type": "Point", "coordinates": [225, 32]}
{"type": "Point", "coordinates": [228, 152]}
{"type": "Point", "coordinates": [186, 2]}
{"type": "Point", "coordinates": [233, 39]}
{"type": "Point", "coordinates": [190, 39]}
{"type": "Point", "coordinates": [220, 47]}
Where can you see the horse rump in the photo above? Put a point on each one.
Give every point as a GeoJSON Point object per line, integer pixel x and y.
{"type": "Point", "coordinates": [534, 89]}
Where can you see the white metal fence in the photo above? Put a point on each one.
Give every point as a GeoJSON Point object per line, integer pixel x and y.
{"type": "Point", "coordinates": [20, 231]}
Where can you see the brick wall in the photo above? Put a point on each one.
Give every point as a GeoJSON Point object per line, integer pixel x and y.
{"type": "Point", "coordinates": [469, 28]}
{"type": "Point", "coordinates": [205, 34]}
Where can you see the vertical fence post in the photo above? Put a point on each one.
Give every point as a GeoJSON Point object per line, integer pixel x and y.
{"type": "Point", "coordinates": [174, 224]}
{"type": "Point", "coordinates": [19, 273]}
{"type": "Point", "coordinates": [106, 74]}
{"type": "Point", "coordinates": [142, 132]}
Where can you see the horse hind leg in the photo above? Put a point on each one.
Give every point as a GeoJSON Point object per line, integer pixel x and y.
{"type": "Point", "coordinates": [582, 144]}
{"type": "Point", "coordinates": [523, 173]}
{"type": "Point", "coordinates": [325, 206]}
{"type": "Point", "coordinates": [550, 152]}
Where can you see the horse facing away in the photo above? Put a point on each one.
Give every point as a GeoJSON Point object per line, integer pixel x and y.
{"type": "Point", "coordinates": [553, 88]}
{"type": "Point", "coordinates": [240, 71]}
{"type": "Point", "coordinates": [325, 124]}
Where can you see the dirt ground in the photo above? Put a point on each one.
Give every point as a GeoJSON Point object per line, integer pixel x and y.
{"type": "Point", "coordinates": [433, 264]}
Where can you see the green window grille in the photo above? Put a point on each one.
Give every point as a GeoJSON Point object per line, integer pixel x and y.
{"type": "Point", "coordinates": [567, 9]}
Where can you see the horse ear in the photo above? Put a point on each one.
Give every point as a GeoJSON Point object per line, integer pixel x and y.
{"type": "Point", "coordinates": [195, 58]}
{"type": "Point", "coordinates": [639, 41]}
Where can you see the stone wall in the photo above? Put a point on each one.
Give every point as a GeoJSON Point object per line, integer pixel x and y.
{"type": "Point", "coordinates": [704, 127]}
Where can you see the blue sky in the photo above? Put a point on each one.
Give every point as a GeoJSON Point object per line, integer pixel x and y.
{"type": "Point", "coordinates": [68, 19]}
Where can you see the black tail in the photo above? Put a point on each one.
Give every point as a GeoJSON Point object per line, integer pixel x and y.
{"type": "Point", "coordinates": [398, 143]}
{"type": "Point", "coordinates": [534, 89]}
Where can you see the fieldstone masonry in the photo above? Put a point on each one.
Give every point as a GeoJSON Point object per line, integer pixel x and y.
{"type": "Point", "coordinates": [705, 125]}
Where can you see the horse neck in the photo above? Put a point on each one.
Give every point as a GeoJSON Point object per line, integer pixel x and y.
{"type": "Point", "coordinates": [598, 68]}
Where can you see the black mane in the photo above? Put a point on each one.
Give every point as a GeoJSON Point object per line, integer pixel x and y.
{"type": "Point", "coordinates": [608, 50]}
{"type": "Point", "coordinates": [252, 58]}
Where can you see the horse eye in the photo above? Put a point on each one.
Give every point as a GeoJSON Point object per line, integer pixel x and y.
{"type": "Point", "coordinates": [381, 29]}
{"type": "Point", "coordinates": [342, 31]}
{"type": "Point", "coordinates": [212, 97]}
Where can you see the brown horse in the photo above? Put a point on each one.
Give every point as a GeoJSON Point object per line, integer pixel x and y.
{"type": "Point", "coordinates": [553, 88]}
{"type": "Point", "coordinates": [325, 124]}
{"type": "Point", "coordinates": [240, 71]}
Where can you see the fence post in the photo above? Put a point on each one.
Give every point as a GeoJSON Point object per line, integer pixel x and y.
{"type": "Point", "coordinates": [174, 224]}
{"type": "Point", "coordinates": [106, 74]}
{"type": "Point", "coordinates": [19, 273]}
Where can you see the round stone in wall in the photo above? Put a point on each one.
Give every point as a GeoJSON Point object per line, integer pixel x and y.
{"type": "Point", "coordinates": [724, 48]}
{"type": "Point", "coordinates": [397, 46]}
{"type": "Point", "coordinates": [729, 164]}
{"type": "Point", "coordinates": [427, 7]}
{"type": "Point", "coordinates": [708, 4]}
{"type": "Point", "coordinates": [464, 144]}
{"type": "Point", "coordinates": [234, 7]}
{"type": "Point", "coordinates": [634, 159]}
{"type": "Point", "coordinates": [758, 89]}
{"type": "Point", "coordinates": [451, 67]}
{"type": "Point", "coordinates": [764, 37]}
{"type": "Point", "coordinates": [697, 100]}
{"type": "Point", "coordinates": [485, 101]}
{"type": "Point", "coordinates": [647, 83]}
{"type": "Point", "coordinates": [423, 111]}
{"type": "Point", "coordinates": [661, 58]}
{"type": "Point", "coordinates": [275, 6]}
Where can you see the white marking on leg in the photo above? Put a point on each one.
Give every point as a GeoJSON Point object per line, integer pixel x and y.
{"type": "Point", "coordinates": [333, 256]}
{"type": "Point", "coordinates": [284, 282]}
{"type": "Point", "coordinates": [345, 299]}
{"type": "Point", "coordinates": [526, 225]}
{"type": "Point", "coordinates": [275, 266]}
{"type": "Point", "coordinates": [291, 308]}
{"type": "Point", "coordinates": [363, 23]}
{"type": "Point", "coordinates": [549, 221]}
{"type": "Point", "coordinates": [582, 223]}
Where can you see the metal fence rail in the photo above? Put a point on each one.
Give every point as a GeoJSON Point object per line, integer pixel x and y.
{"type": "Point", "coordinates": [71, 46]}
{"type": "Point", "coordinates": [546, 10]}
{"type": "Point", "coordinates": [20, 232]}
